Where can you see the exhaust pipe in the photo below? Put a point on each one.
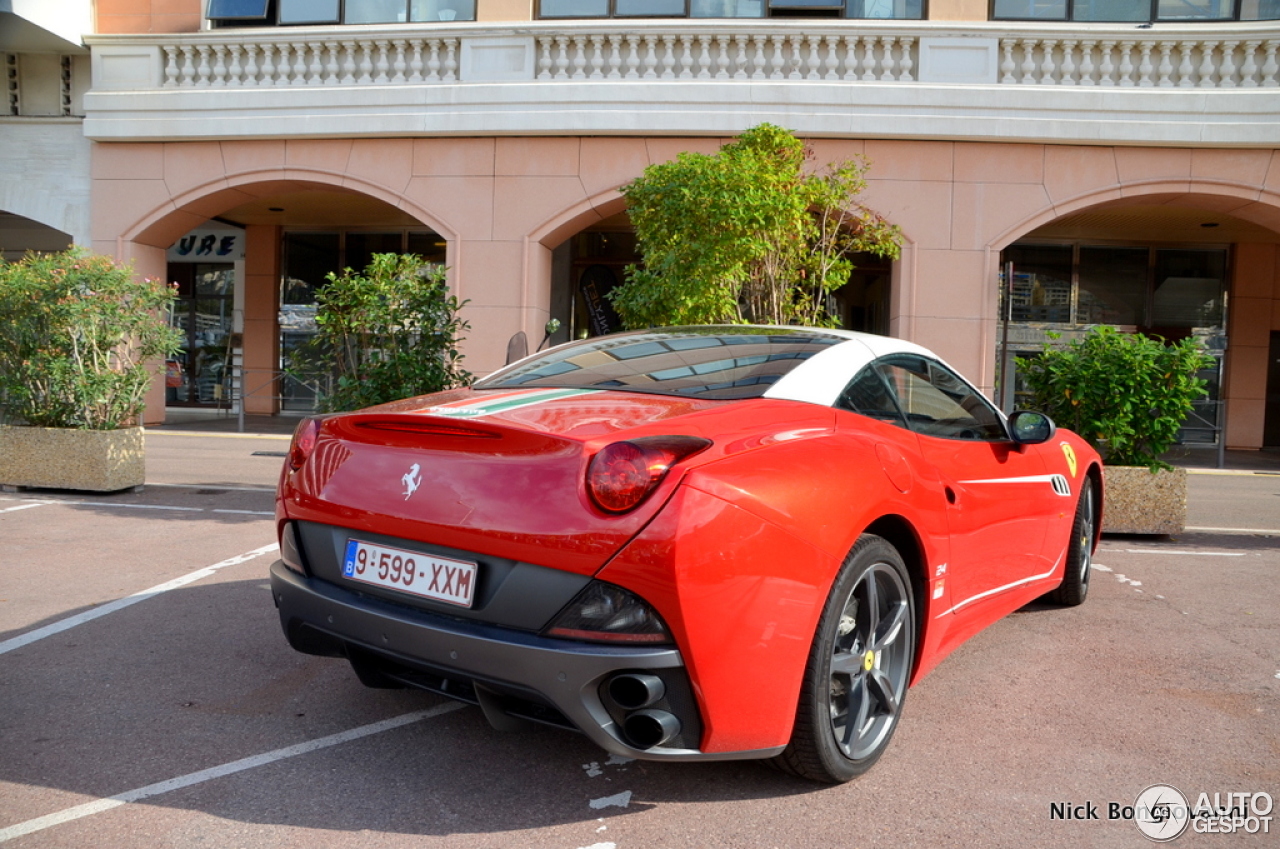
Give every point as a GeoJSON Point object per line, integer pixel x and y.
{"type": "Point", "coordinates": [634, 690]}
{"type": "Point", "coordinates": [646, 729]}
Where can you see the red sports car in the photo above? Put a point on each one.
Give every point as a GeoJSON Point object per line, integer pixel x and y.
{"type": "Point", "coordinates": [691, 543]}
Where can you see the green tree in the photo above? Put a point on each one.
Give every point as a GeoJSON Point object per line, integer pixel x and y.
{"type": "Point", "coordinates": [390, 332]}
{"type": "Point", "coordinates": [81, 336]}
{"type": "Point", "coordinates": [746, 235]}
{"type": "Point", "coordinates": [1126, 394]}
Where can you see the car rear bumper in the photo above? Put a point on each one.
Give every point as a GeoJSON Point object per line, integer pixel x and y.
{"type": "Point", "coordinates": [508, 673]}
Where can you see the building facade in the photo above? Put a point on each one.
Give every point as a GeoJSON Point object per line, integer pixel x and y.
{"type": "Point", "coordinates": [1052, 165]}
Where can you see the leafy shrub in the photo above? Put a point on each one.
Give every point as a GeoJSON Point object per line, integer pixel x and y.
{"type": "Point", "coordinates": [81, 335]}
{"type": "Point", "coordinates": [390, 332]}
{"type": "Point", "coordinates": [1125, 394]}
{"type": "Point", "coordinates": [746, 235]}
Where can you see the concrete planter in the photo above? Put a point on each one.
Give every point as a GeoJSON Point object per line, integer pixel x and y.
{"type": "Point", "coordinates": [1138, 502]}
{"type": "Point", "coordinates": [58, 458]}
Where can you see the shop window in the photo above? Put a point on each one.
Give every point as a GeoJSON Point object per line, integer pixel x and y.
{"type": "Point", "coordinates": [1117, 11]}
{"type": "Point", "coordinates": [1113, 286]}
{"type": "Point", "coordinates": [568, 9]}
{"type": "Point", "coordinates": [233, 13]}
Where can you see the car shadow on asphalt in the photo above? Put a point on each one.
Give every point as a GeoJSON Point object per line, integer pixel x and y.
{"type": "Point", "coordinates": [202, 676]}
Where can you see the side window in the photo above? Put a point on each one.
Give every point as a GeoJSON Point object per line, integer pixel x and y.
{"type": "Point", "coordinates": [869, 395]}
{"type": "Point", "coordinates": [938, 403]}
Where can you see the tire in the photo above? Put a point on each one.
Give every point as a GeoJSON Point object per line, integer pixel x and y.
{"type": "Point", "coordinates": [858, 668]}
{"type": "Point", "coordinates": [1075, 579]}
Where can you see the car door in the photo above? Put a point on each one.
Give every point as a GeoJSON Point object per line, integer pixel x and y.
{"type": "Point", "coordinates": [998, 497]}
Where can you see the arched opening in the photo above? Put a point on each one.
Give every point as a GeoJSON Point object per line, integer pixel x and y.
{"type": "Point", "coordinates": [19, 234]}
{"type": "Point", "coordinates": [1176, 269]}
{"type": "Point", "coordinates": [247, 269]}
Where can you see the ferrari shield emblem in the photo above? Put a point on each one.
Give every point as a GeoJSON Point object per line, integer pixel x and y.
{"type": "Point", "coordinates": [1070, 454]}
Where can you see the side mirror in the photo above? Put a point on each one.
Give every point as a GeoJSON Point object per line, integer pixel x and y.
{"type": "Point", "coordinates": [1027, 427]}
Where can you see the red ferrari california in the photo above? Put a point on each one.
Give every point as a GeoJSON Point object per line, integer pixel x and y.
{"type": "Point", "coordinates": [697, 543]}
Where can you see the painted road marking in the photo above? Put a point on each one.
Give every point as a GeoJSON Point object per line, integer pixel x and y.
{"type": "Point", "coordinates": [100, 805]}
{"type": "Point", "coordinates": [1272, 532]}
{"type": "Point", "coordinates": [109, 506]}
{"type": "Point", "coordinates": [1182, 551]}
{"type": "Point", "coordinates": [24, 506]}
{"type": "Point", "coordinates": [119, 604]}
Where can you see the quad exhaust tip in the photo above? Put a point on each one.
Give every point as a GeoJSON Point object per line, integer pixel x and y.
{"type": "Point", "coordinates": [635, 690]}
{"type": "Point", "coordinates": [646, 729]}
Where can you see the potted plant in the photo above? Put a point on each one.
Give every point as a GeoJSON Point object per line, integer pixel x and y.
{"type": "Point", "coordinates": [1127, 395]}
{"type": "Point", "coordinates": [83, 338]}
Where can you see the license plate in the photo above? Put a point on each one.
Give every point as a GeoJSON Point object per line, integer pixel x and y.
{"type": "Point", "coordinates": [426, 575]}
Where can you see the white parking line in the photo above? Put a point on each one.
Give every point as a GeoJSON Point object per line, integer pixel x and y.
{"type": "Point", "coordinates": [120, 604]}
{"type": "Point", "coordinates": [24, 506]}
{"type": "Point", "coordinates": [1183, 551]}
{"type": "Point", "coordinates": [100, 805]}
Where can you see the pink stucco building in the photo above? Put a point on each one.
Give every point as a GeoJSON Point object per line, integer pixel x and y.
{"type": "Point", "coordinates": [1129, 174]}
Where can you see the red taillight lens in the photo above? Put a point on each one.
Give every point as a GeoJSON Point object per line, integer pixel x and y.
{"type": "Point", "coordinates": [621, 475]}
{"type": "Point", "coordinates": [304, 442]}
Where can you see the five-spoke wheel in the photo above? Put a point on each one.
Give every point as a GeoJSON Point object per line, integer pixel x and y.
{"type": "Point", "coordinates": [858, 669]}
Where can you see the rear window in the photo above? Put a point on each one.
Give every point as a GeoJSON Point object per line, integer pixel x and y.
{"type": "Point", "coordinates": [704, 362]}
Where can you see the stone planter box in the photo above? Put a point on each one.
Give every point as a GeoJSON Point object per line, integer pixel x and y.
{"type": "Point", "coordinates": [57, 458]}
{"type": "Point", "coordinates": [1138, 502]}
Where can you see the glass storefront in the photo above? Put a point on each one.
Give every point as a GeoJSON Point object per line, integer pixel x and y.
{"type": "Point", "coordinates": [309, 257]}
{"type": "Point", "coordinates": [1058, 290]}
{"type": "Point", "coordinates": [200, 374]}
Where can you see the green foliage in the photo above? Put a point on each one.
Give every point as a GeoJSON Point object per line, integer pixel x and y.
{"type": "Point", "coordinates": [390, 332]}
{"type": "Point", "coordinates": [81, 338]}
{"type": "Point", "coordinates": [1126, 394]}
{"type": "Point", "coordinates": [746, 235]}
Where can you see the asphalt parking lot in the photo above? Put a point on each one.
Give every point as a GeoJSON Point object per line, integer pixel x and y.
{"type": "Point", "coordinates": [148, 699]}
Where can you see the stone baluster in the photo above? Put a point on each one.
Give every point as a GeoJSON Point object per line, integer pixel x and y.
{"type": "Point", "coordinates": [634, 60]}
{"type": "Point", "coordinates": [433, 60]}
{"type": "Point", "coordinates": [399, 65]}
{"type": "Point", "coordinates": [542, 60]}
{"type": "Point", "coordinates": [1007, 65]}
{"type": "Point", "coordinates": [1270, 66]}
{"type": "Point", "coordinates": [667, 62]}
{"type": "Point", "coordinates": [1067, 69]}
{"type": "Point", "coordinates": [761, 61]}
{"type": "Point", "coordinates": [235, 68]}
{"type": "Point", "coordinates": [417, 65]}
{"type": "Point", "coordinates": [268, 64]}
{"type": "Point", "coordinates": [1086, 62]}
{"type": "Point", "coordinates": [685, 69]}
{"type": "Point", "coordinates": [218, 79]}
{"type": "Point", "coordinates": [251, 68]}
{"type": "Point", "coordinates": [1144, 65]}
{"type": "Point", "coordinates": [578, 50]}
{"type": "Point", "coordinates": [650, 58]}
{"type": "Point", "coordinates": [170, 66]}
{"type": "Point", "coordinates": [1186, 68]}
{"type": "Point", "coordinates": [450, 59]}
{"type": "Point", "coordinates": [1047, 67]}
{"type": "Point", "coordinates": [795, 56]}
{"type": "Point", "coordinates": [1249, 70]}
{"type": "Point", "coordinates": [1107, 70]}
{"type": "Point", "coordinates": [1029, 61]}
{"type": "Point", "coordinates": [849, 61]}
{"type": "Point", "coordinates": [615, 57]}
{"type": "Point", "coordinates": [906, 64]}
{"type": "Point", "coordinates": [1206, 64]}
{"type": "Point", "coordinates": [202, 69]}
{"type": "Point", "coordinates": [813, 60]}
{"type": "Point", "coordinates": [704, 57]}
{"type": "Point", "coordinates": [596, 67]}
{"type": "Point", "coordinates": [315, 71]}
{"type": "Point", "coordinates": [562, 58]}
{"type": "Point", "coordinates": [1126, 63]}
{"type": "Point", "coordinates": [1227, 70]}
{"type": "Point", "coordinates": [742, 60]}
{"type": "Point", "coordinates": [382, 64]}
{"type": "Point", "coordinates": [1166, 65]}
{"type": "Point", "coordinates": [300, 64]}
{"type": "Point", "coordinates": [868, 58]}
{"type": "Point", "coordinates": [888, 65]}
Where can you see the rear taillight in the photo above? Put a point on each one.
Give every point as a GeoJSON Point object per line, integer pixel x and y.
{"type": "Point", "coordinates": [623, 474]}
{"type": "Point", "coordinates": [606, 613]}
{"type": "Point", "coordinates": [304, 442]}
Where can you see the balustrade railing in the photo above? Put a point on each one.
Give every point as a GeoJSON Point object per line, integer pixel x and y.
{"type": "Point", "coordinates": [1190, 57]}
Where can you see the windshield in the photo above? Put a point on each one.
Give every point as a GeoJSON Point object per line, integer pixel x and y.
{"type": "Point", "coordinates": [705, 362]}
